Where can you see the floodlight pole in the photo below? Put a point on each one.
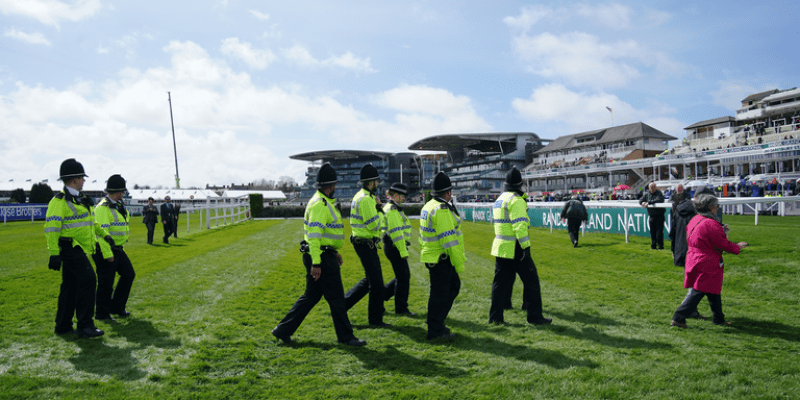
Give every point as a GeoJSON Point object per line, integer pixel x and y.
{"type": "Point", "coordinates": [174, 146]}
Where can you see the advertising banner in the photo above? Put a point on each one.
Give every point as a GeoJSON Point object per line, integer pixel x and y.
{"type": "Point", "coordinates": [22, 212]}
{"type": "Point", "coordinates": [606, 219]}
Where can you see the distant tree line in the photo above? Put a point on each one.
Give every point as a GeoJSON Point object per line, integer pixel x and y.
{"type": "Point", "coordinates": [41, 193]}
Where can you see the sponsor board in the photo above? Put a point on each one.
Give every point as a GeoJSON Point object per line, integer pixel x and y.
{"type": "Point", "coordinates": [22, 212]}
{"type": "Point", "coordinates": [609, 220]}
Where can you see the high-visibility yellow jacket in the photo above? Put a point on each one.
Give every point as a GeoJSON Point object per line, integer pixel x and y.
{"type": "Point", "coordinates": [365, 220]}
{"type": "Point", "coordinates": [112, 220]}
{"type": "Point", "coordinates": [440, 233]}
{"type": "Point", "coordinates": [322, 226]}
{"type": "Point", "coordinates": [71, 217]}
{"type": "Point", "coordinates": [397, 227]}
{"type": "Point", "coordinates": [511, 222]}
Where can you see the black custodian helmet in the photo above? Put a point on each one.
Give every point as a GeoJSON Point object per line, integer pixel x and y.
{"type": "Point", "coordinates": [369, 173]}
{"type": "Point", "coordinates": [326, 176]}
{"type": "Point", "coordinates": [71, 169]}
{"type": "Point", "coordinates": [115, 184]}
{"type": "Point", "coordinates": [441, 183]}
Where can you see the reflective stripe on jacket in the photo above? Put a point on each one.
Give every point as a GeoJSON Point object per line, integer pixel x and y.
{"type": "Point", "coordinates": [67, 218]}
{"type": "Point", "coordinates": [365, 220]}
{"type": "Point", "coordinates": [511, 222]}
{"type": "Point", "coordinates": [322, 226]}
{"type": "Point", "coordinates": [114, 222]}
{"type": "Point", "coordinates": [398, 227]}
{"type": "Point", "coordinates": [440, 233]}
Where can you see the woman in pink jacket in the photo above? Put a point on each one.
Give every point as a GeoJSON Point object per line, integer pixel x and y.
{"type": "Point", "coordinates": [704, 265]}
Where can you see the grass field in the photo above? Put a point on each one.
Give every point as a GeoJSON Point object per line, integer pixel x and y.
{"type": "Point", "coordinates": [203, 308]}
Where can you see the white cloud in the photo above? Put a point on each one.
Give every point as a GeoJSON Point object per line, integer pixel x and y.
{"type": "Point", "coordinates": [731, 93]}
{"type": "Point", "coordinates": [260, 15]}
{"type": "Point", "coordinates": [32, 38]}
{"type": "Point", "coordinates": [301, 56]}
{"type": "Point", "coordinates": [587, 111]}
{"type": "Point", "coordinates": [529, 16]}
{"type": "Point", "coordinates": [613, 15]}
{"type": "Point", "coordinates": [584, 60]}
{"type": "Point", "coordinates": [255, 58]}
{"type": "Point", "coordinates": [227, 128]}
{"type": "Point", "coordinates": [51, 12]}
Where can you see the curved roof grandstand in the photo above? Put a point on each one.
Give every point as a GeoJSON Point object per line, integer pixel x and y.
{"type": "Point", "coordinates": [330, 155]}
{"type": "Point", "coordinates": [486, 142]}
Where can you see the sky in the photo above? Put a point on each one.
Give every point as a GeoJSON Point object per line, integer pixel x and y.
{"type": "Point", "coordinates": [253, 82]}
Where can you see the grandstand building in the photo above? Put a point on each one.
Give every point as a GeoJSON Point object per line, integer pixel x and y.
{"type": "Point", "coordinates": [477, 163]}
{"type": "Point", "coordinates": [597, 160]}
{"type": "Point", "coordinates": [392, 167]}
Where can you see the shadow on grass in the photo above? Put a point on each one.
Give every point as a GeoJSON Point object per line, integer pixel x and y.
{"type": "Point", "coordinates": [592, 334]}
{"type": "Point", "coordinates": [143, 332]}
{"type": "Point", "coordinates": [768, 329]}
{"type": "Point", "coordinates": [98, 358]}
{"type": "Point", "coordinates": [494, 347]}
{"type": "Point", "coordinates": [585, 318]}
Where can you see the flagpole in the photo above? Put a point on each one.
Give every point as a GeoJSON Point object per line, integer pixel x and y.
{"type": "Point", "coordinates": [174, 146]}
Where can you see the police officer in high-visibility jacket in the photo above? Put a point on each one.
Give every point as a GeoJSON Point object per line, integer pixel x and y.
{"type": "Point", "coordinates": [512, 250]}
{"type": "Point", "coordinates": [366, 220]}
{"type": "Point", "coordinates": [442, 252]}
{"type": "Point", "coordinates": [111, 259]}
{"type": "Point", "coordinates": [70, 231]}
{"type": "Point", "coordinates": [323, 236]}
{"type": "Point", "coordinates": [396, 240]}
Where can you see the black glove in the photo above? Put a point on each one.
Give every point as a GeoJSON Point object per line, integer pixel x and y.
{"type": "Point", "coordinates": [526, 253]}
{"type": "Point", "coordinates": [55, 263]}
{"type": "Point", "coordinates": [110, 240]}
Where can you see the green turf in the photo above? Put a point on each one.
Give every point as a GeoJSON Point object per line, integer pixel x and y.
{"type": "Point", "coordinates": [204, 305]}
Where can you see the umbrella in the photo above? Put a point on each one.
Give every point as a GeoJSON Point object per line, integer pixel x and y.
{"type": "Point", "coordinates": [622, 186]}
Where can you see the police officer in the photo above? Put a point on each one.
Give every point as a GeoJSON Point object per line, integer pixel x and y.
{"type": "Point", "coordinates": [366, 219]}
{"type": "Point", "coordinates": [442, 251]}
{"type": "Point", "coordinates": [110, 258]}
{"type": "Point", "coordinates": [512, 250]}
{"type": "Point", "coordinates": [323, 236]}
{"type": "Point", "coordinates": [70, 231]}
{"type": "Point", "coordinates": [395, 245]}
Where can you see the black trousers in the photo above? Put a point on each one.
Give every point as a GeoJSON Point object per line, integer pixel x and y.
{"type": "Point", "coordinates": [656, 231]}
{"type": "Point", "coordinates": [445, 285]}
{"type": "Point", "coordinates": [372, 283]}
{"type": "Point", "coordinates": [689, 306]}
{"type": "Point", "coordinates": [505, 270]}
{"type": "Point", "coordinates": [169, 228]}
{"type": "Point", "coordinates": [110, 300]}
{"type": "Point", "coordinates": [574, 229]}
{"type": "Point", "coordinates": [78, 285]}
{"type": "Point", "coordinates": [329, 285]}
{"type": "Point", "coordinates": [175, 228]}
{"type": "Point", "coordinates": [399, 286]}
{"type": "Point", "coordinates": [151, 228]}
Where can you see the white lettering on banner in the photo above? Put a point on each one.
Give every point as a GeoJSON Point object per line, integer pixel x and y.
{"type": "Point", "coordinates": [481, 215]}
{"type": "Point", "coordinates": [23, 212]}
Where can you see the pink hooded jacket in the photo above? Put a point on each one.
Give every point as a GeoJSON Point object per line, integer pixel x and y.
{"type": "Point", "coordinates": [704, 265]}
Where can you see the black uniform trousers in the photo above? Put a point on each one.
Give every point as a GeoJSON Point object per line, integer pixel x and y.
{"type": "Point", "coordinates": [110, 300]}
{"type": "Point", "coordinates": [399, 286]}
{"type": "Point", "coordinates": [689, 306]}
{"type": "Point", "coordinates": [505, 270]}
{"type": "Point", "coordinates": [656, 231]}
{"type": "Point", "coordinates": [151, 228]}
{"type": "Point", "coordinates": [372, 282]}
{"type": "Point", "coordinates": [169, 228]}
{"type": "Point", "coordinates": [574, 229]}
{"type": "Point", "coordinates": [445, 285]}
{"type": "Point", "coordinates": [329, 285]}
{"type": "Point", "coordinates": [78, 285]}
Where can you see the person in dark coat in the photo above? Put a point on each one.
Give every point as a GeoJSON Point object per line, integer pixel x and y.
{"type": "Point", "coordinates": [656, 220]}
{"type": "Point", "coordinates": [574, 213]}
{"type": "Point", "coordinates": [676, 198]}
{"type": "Point", "coordinates": [167, 218]}
{"type": "Point", "coordinates": [150, 220]}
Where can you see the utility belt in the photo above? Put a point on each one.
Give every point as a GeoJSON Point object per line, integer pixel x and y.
{"type": "Point", "coordinates": [66, 243]}
{"type": "Point", "coordinates": [113, 248]}
{"type": "Point", "coordinates": [442, 257]}
{"type": "Point", "coordinates": [371, 242]}
{"type": "Point", "coordinates": [305, 248]}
